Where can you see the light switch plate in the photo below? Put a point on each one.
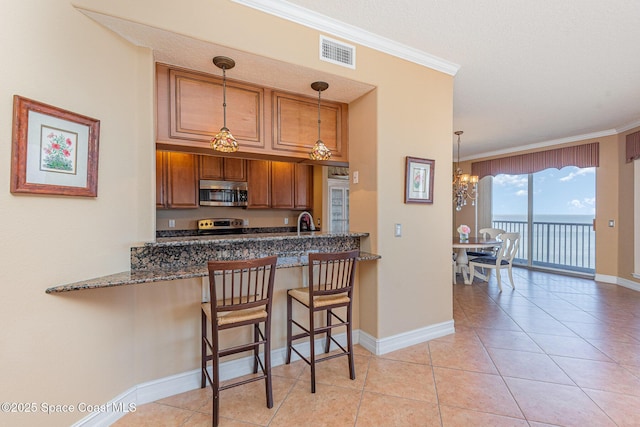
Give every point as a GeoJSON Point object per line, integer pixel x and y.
{"type": "Point", "coordinates": [398, 230]}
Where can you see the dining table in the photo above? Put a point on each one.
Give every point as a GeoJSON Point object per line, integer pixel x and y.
{"type": "Point", "coordinates": [461, 246]}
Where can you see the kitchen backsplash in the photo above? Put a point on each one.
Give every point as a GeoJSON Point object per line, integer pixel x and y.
{"type": "Point", "coordinates": [187, 219]}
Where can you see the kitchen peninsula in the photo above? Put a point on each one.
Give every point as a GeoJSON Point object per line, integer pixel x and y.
{"type": "Point", "coordinates": [184, 257]}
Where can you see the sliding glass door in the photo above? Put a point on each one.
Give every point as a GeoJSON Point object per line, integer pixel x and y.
{"type": "Point", "coordinates": [553, 210]}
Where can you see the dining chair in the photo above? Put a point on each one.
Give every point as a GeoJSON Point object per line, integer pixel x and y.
{"type": "Point", "coordinates": [331, 277]}
{"type": "Point", "coordinates": [241, 295]}
{"type": "Point", "coordinates": [487, 233]}
{"type": "Point", "coordinates": [502, 260]}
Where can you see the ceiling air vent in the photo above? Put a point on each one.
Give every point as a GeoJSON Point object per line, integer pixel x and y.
{"type": "Point", "coordinates": [337, 52]}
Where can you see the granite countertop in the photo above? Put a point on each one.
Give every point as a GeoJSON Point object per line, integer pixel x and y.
{"type": "Point", "coordinates": [133, 277]}
{"type": "Point", "coordinates": [248, 238]}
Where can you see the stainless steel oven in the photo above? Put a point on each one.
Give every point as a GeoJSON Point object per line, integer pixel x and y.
{"type": "Point", "coordinates": [223, 193]}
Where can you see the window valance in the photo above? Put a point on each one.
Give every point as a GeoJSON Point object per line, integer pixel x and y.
{"type": "Point", "coordinates": [633, 146]}
{"type": "Point", "coordinates": [582, 156]}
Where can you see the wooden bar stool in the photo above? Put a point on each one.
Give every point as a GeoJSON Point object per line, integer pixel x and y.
{"type": "Point", "coordinates": [241, 295]}
{"type": "Point", "coordinates": [331, 278]}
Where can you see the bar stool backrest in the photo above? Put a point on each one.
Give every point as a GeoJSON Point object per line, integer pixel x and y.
{"type": "Point", "coordinates": [241, 285]}
{"type": "Point", "coordinates": [332, 273]}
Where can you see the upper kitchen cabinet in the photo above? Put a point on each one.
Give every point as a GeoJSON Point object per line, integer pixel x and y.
{"type": "Point", "coordinates": [267, 123]}
{"type": "Point", "coordinates": [176, 180]}
{"type": "Point", "coordinates": [223, 168]}
{"type": "Point", "coordinates": [295, 125]}
{"type": "Point", "coordinates": [190, 109]}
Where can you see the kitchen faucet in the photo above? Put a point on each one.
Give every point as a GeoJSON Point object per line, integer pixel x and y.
{"type": "Point", "coordinates": [311, 226]}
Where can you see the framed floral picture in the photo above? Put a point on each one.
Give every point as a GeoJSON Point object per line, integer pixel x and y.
{"type": "Point", "coordinates": [54, 151]}
{"type": "Point", "coordinates": [419, 180]}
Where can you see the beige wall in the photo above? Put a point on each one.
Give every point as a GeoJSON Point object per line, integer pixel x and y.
{"type": "Point", "coordinates": [90, 346]}
{"type": "Point", "coordinates": [57, 348]}
{"type": "Point", "coordinates": [625, 222]}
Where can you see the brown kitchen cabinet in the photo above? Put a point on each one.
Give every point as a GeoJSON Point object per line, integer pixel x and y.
{"type": "Point", "coordinates": [303, 186]}
{"type": "Point", "coordinates": [279, 185]}
{"type": "Point", "coordinates": [282, 183]}
{"type": "Point", "coordinates": [176, 180]}
{"type": "Point", "coordinates": [190, 113]}
{"type": "Point", "coordinates": [259, 183]}
{"type": "Point", "coordinates": [270, 123]}
{"type": "Point", "coordinates": [295, 124]}
{"type": "Point", "coordinates": [223, 168]}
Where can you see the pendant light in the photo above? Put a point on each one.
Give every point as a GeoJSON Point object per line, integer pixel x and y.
{"type": "Point", "coordinates": [224, 140]}
{"type": "Point", "coordinates": [319, 150]}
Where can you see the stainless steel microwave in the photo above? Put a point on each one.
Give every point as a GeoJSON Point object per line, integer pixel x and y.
{"type": "Point", "coordinates": [223, 193]}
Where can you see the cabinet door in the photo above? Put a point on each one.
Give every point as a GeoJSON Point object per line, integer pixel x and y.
{"type": "Point", "coordinates": [303, 187]}
{"type": "Point", "coordinates": [196, 113]}
{"type": "Point", "coordinates": [259, 183]}
{"type": "Point", "coordinates": [161, 179]}
{"type": "Point", "coordinates": [211, 167]}
{"type": "Point", "coordinates": [282, 177]}
{"type": "Point", "coordinates": [182, 180]}
{"type": "Point", "coordinates": [295, 124]}
{"type": "Point", "coordinates": [235, 169]}
{"type": "Point", "coordinates": [339, 206]}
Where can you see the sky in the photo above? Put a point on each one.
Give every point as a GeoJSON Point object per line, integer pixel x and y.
{"type": "Point", "coordinates": [569, 191]}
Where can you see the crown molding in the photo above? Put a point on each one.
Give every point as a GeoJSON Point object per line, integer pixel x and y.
{"type": "Point", "coordinates": [628, 126]}
{"type": "Point", "coordinates": [543, 144]}
{"type": "Point", "coordinates": [317, 21]}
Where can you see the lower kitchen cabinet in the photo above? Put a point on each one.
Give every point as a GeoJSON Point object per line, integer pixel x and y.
{"type": "Point", "coordinates": [176, 180]}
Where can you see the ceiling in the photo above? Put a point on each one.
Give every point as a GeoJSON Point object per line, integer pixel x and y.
{"type": "Point", "coordinates": [527, 73]}
{"type": "Point", "coordinates": [531, 73]}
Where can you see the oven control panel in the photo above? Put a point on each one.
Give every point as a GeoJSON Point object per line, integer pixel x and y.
{"type": "Point", "coordinates": [220, 223]}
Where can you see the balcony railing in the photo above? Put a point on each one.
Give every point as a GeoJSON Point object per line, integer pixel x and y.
{"type": "Point", "coordinates": [559, 245]}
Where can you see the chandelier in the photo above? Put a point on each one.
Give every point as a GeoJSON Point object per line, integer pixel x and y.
{"type": "Point", "coordinates": [465, 186]}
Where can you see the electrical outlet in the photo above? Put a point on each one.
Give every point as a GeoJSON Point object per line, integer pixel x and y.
{"type": "Point", "coordinates": [172, 223]}
{"type": "Point", "coordinates": [355, 177]}
{"type": "Point", "coordinates": [245, 222]}
{"type": "Point", "coordinates": [318, 221]}
{"type": "Point", "coordinates": [612, 223]}
{"type": "Point", "coordinates": [286, 221]}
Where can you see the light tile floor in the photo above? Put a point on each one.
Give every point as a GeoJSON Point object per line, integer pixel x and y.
{"type": "Point", "coordinates": [557, 351]}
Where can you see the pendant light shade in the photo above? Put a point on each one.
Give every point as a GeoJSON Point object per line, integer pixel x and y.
{"type": "Point", "coordinates": [224, 141]}
{"type": "Point", "coordinates": [319, 150]}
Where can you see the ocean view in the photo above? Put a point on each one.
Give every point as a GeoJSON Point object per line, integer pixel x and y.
{"type": "Point", "coordinates": [558, 241]}
{"type": "Point", "coordinates": [570, 219]}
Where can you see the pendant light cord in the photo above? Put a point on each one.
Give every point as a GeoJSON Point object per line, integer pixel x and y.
{"type": "Point", "coordinates": [224, 96]}
{"type": "Point", "coordinates": [319, 93]}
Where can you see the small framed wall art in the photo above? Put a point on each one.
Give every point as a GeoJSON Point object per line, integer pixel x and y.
{"type": "Point", "coordinates": [419, 180]}
{"type": "Point", "coordinates": [54, 151]}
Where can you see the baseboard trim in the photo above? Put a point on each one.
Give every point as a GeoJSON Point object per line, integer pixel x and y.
{"type": "Point", "coordinates": [626, 283]}
{"type": "Point", "coordinates": [175, 384]}
{"type": "Point", "coordinates": [405, 339]}
{"type": "Point", "coordinates": [151, 391]}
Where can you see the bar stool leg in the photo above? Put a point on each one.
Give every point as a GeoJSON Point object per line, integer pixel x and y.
{"type": "Point", "coordinates": [289, 328]}
{"type": "Point", "coordinates": [203, 350]}
{"type": "Point", "coordinates": [352, 369]}
{"type": "Point", "coordinates": [256, 338]}
{"type": "Point", "coordinates": [327, 344]}
{"type": "Point", "coordinates": [312, 348]}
